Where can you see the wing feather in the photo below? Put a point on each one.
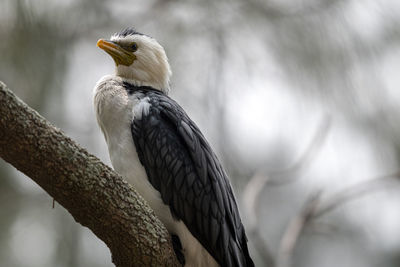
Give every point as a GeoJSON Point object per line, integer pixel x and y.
{"type": "Point", "coordinates": [182, 166]}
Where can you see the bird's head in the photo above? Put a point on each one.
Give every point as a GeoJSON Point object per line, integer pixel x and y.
{"type": "Point", "coordinates": [138, 58]}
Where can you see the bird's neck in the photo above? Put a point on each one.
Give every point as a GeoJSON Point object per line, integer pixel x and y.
{"type": "Point", "coordinates": [139, 79]}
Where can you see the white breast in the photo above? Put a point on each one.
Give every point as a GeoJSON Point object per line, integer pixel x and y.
{"type": "Point", "coordinates": [115, 111]}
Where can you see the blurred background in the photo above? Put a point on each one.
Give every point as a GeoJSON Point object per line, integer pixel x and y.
{"type": "Point", "coordinates": [300, 99]}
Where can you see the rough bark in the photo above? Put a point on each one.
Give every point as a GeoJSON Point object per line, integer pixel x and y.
{"type": "Point", "coordinates": [93, 193]}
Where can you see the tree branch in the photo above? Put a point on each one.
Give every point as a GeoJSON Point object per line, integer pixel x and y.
{"type": "Point", "coordinates": [93, 193]}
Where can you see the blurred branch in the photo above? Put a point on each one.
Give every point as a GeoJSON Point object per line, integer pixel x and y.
{"type": "Point", "coordinates": [352, 193]}
{"type": "Point", "coordinates": [259, 180]}
{"type": "Point", "coordinates": [315, 207]}
{"type": "Point", "coordinates": [284, 176]}
{"type": "Point", "coordinates": [257, 183]}
{"type": "Point", "coordinates": [263, 250]}
{"type": "Point", "coordinates": [294, 230]}
{"type": "Point", "coordinates": [95, 195]}
{"type": "Point", "coordinates": [250, 198]}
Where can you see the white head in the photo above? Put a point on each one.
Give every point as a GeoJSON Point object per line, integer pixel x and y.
{"type": "Point", "coordinates": [139, 59]}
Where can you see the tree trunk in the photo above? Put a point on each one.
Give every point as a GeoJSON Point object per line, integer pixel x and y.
{"type": "Point", "coordinates": [93, 193]}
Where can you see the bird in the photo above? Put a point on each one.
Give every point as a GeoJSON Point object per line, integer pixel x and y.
{"type": "Point", "coordinates": [161, 152]}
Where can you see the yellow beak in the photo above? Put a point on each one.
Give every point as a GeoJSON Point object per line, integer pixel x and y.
{"type": "Point", "coordinates": [120, 55]}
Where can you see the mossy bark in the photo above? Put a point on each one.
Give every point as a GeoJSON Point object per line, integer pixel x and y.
{"type": "Point", "coordinates": [93, 193]}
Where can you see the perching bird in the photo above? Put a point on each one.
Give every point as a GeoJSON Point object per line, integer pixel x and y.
{"type": "Point", "coordinates": [158, 149]}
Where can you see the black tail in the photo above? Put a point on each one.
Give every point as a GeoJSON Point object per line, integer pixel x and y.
{"type": "Point", "coordinates": [249, 261]}
{"type": "Point", "coordinates": [176, 243]}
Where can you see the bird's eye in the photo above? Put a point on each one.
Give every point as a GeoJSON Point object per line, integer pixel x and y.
{"type": "Point", "coordinates": [133, 47]}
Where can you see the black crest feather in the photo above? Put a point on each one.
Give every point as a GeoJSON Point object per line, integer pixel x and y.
{"type": "Point", "coordinates": [128, 31]}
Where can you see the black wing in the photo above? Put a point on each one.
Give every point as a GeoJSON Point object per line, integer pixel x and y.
{"type": "Point", "coordinates": [182, 166]}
